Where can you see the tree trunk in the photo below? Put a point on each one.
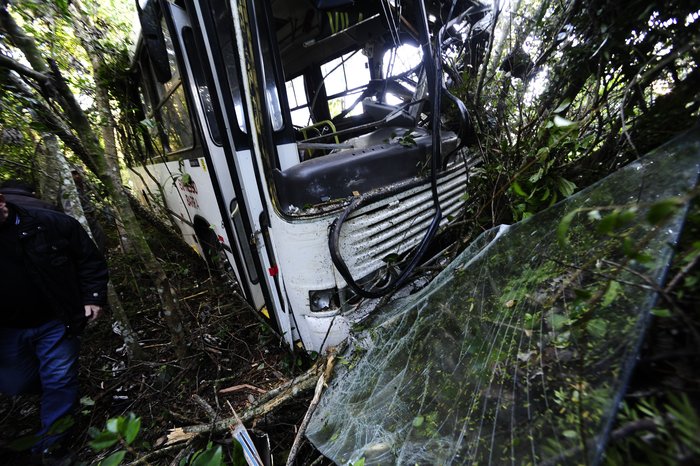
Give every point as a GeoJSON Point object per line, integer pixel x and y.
{"type": "Point", "coordinates": [57, 182]}
{"type": "Point", "coordinates": [112, 179]}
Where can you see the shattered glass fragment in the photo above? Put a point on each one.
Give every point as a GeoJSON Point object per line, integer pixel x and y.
{"type": "Point", "coordinates": [520, 351]}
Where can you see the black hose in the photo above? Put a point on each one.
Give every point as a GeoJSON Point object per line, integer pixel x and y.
{"type": "Point", "coordinates": [435, 83]}
{"type": "Point", "coordinates": [465, 130]}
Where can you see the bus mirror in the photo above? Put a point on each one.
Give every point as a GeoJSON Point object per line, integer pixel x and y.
{"type": "Point", "coordinates": [153, 39]}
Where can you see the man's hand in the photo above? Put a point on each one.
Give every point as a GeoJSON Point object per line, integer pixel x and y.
{"type": "Point", "coordinates": [4, 212]}
{"type": "Point", "coordinates": [92, 312]}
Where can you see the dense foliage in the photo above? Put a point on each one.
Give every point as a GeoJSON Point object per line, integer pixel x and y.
{"type": "Point", "coordinates": [52, 27]}
{"type": "Point", "coordinates": [573, 90]}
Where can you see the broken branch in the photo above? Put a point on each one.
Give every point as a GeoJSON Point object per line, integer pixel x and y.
{"type": "Point", "coordinates": [264, 405]}
{"type": "Point", "coordinates": [236, 388]}
{"type": "Point", "coordinates": [312, 407]}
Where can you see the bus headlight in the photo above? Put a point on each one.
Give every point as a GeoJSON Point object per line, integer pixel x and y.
{"type": "Point", "coordinates": [323, 300]}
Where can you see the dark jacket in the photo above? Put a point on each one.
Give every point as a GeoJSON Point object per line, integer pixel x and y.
{"type": "Point", "coordinates": [26, 199]}
{"type": "Point", "coordinates": [63, 262]}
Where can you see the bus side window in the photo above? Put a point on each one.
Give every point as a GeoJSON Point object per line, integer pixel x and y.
{"type": "Point", "coordinates": [271, 92]}
{"type": "Point", "coordinates": [147, 93]}
{"type": "Point", "coordinates": [224, 20]}
{"type": "Point", "coordinates": [174, 116]}
{"type": "Point", "coordinates": [299, 106]}
{"type": "Point", "coordinates": [345, 78]}
{"type": "Point", "coordinates": [175, 121]}
{"type": "Point", "coordinates": [174, 70]}
{"type": "Point", "coordinates": [202, 88]}
{"type": "Point", "coordinates": [168, 119]}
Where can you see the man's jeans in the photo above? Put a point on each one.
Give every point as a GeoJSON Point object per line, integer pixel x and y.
{"type": "Point", "coordinates": [41, 359]}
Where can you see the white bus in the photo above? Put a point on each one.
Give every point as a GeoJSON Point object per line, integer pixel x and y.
{"type": "Point", "coordinates": [303, 140]}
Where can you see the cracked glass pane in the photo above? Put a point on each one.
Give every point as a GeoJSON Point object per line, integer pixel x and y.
{"type": "Point", "coordinates": [520, 351]}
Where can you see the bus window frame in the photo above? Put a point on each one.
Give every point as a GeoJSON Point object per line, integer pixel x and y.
{"type": "Point", "coordinates": [267, 44]}
{"type": "Point", "coordinates": [199, 77]}
{"type": "Point", "coordinates": [149, 90]}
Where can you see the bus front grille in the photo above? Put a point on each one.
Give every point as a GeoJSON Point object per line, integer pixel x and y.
{"type": "Point", "coordinates": [397, 223]}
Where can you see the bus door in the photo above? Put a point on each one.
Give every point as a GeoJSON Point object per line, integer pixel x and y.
{"type": "Point", "coordinates": [222, 105]}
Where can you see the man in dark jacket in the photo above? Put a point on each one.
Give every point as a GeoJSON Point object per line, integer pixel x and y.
{"type": "Point", "coordinates": [52, 281]}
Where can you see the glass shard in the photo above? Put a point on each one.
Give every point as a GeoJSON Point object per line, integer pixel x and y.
{"type": "Point", "coordinates": [520, 351]}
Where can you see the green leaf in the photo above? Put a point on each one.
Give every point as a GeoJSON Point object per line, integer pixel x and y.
{"type": "Point", "coordinates": [104, 439]}
{"type": "Point", "coordinates": [661, 312]}
{"type": "Point", "coordinates": [570, 434]}
{"type": "Point", "coordinates": [563, 106]}
{"type": "Point", "coordinates": [87, 401]}
{"type": "Point", "coordinates": [61, 425]}
{"type": "Point", "coordinates": [643, 258]}
{"type": "Point", "coordinates": [626, 216]}
{"type": "Point", "coordinates": [608, 223]}
{"type": "Point", "coordinates": [38, 126]}
{"type": "Point", "coordinates": [63, 7]}
{"type": "Point", "coordinates": [663, 210]}
{"type": "Point", "coordinates": [131, 429]}
{"type": "Point", "coordinates": [418, 421]}
{"type": "Point", "coordinates": [115, 424]}
{"type": "Point", "coordinates": [542, 153]}
{"type": "Point", "coordinates": [611, 293]}
{"type": "Point", "coordinates": [212, 456]}
{"type": "Point", "coordinates": [360, 462]}
{"type": "Point", "coordinates": [537, 176]}
{"type": "Point", "coordinates": [114, 459]}
{"type": "Point", "coordinates": [596, 327]}
{"type": "Point", "coordinates": [561, 122]}
{"type": "Point", "coordinates": [391, 258]}
{"type": "Point", "coordinates": [517, 189]}
{"type": "Point", "coordinates": [563, 228]}
{"type": "Point", "coordinates": [566, 187]}
{"type": "Point", "coordinates": [557, 321]}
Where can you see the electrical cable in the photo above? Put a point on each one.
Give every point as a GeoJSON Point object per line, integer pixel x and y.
{"type": "Point", "coordinates": [335, 228]}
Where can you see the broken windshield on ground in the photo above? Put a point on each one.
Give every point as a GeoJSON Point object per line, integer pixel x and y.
{"type": "Point", "coordinates": [519, 352]}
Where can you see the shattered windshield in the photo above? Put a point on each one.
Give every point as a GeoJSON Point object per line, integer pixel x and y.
{"type": "Point", "coordinates": [519, 352]}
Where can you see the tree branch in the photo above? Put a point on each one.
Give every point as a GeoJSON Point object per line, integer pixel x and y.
{"type": "Point", "coordinates": [14, 65]}
{"type": "Point", "coordinates": [49, 118]}
{"type": "Point", "coordinates": [265, 404]}
{"type": "Point", "coordinates": [23, 41]}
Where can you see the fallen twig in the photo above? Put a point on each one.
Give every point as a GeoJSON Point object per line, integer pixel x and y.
{"type": "Point", "coordinates": [681, 273]}
{"type": "Point", "coordinates": [312, 407]}
{"type": "Point", "coordinates": [264, 405]}
{"type": "Point", "coordinates": [156, 454]}
{"type": "Point", "coordinates": [205, 406]}
{"type": "Point", "coordinates": [236, 388]}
